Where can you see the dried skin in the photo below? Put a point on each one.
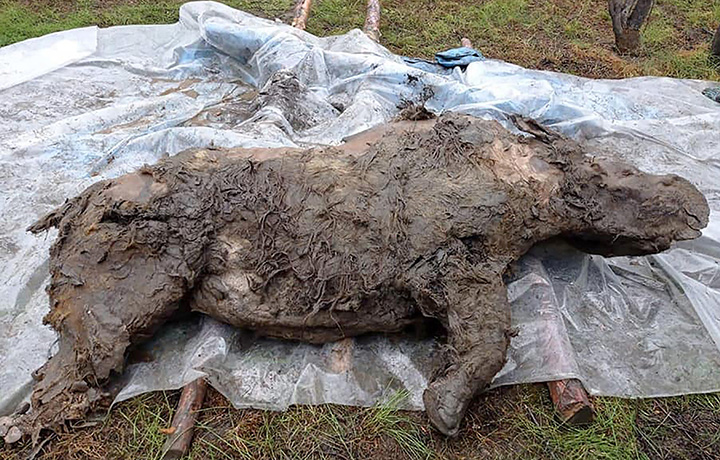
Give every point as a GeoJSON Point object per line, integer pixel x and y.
{"type": "Point", "coordinates": [412, 220]}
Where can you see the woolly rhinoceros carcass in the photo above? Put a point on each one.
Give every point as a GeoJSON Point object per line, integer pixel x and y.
{"type": "Point", "coordinates": [411, 220]}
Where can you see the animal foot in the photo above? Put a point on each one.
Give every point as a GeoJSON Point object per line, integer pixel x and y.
{"type": "Point", "coordinates": [446, 400]}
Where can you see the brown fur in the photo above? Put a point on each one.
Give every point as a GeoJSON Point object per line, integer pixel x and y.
{"type": "Point", "coordinates": [413, 219]}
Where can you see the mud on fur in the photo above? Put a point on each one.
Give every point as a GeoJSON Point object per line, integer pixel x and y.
{"type": "Point", "coordinates": [414, 219]}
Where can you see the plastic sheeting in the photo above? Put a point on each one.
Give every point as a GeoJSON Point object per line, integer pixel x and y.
{"type": "Point", "coordinates": [90, 104]}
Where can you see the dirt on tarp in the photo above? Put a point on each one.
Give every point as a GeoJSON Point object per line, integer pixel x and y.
{"type": "Point", "coordinates": [411, 220]}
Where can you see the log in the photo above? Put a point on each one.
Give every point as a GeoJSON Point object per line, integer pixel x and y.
{"type": "Point", "coordinates": [568, 396]}
{"type": "Point", "coordinates": [372, 20]}
{"type": "Point", "coordinates": [571, 401]}
{"type": "Point", "coordinates": [302, 12]}
{"type": "Point", "coordinates": [627, 18]}
{"type": "Point", "coordinates": [182, 429]}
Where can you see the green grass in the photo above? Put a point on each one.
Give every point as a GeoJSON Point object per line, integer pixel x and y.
{"type": "Point", "coordinates": [386, 420]}
{"type": "Point", "coordinates": [611, 436]}
{"type": "Point", "coordinates": [507, 423]}
{"type": "Point", "coordinates": [331, 17]}
{"type": "Point", "coordinates": [144, 418]}
{"type": "Point", "coordinates": [308, 431]}
{"type": "Point", "coordinates": [572, 36]}
{"type": "Point", "coordinates": [21, 20]}
{"type": "Point", "coordinates": [659, 34]}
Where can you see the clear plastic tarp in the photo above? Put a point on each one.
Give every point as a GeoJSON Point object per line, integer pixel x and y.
{"type": "Point", "coordinates": [88, 104]}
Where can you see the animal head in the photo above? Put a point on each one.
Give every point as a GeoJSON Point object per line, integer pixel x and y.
{"type": "Point", "coordinates": [624, 211]}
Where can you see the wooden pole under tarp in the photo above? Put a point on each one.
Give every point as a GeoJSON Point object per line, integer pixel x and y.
{"type": "Point", "coordinates": [302, 12]}
{"type": "Point", "coordinates": [571, 401]}
{"type": "Point", "coordinates": [569, 397]}
{"type": "Point", "coordinates": [181, 431]}
{"type": "Point", "coordinates": [372, 20]}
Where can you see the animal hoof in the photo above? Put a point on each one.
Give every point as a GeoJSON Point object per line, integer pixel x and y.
{"type": "Point", "coordinates": [13, 435]}
{"type": "Point", "coordinates": [443, 409]}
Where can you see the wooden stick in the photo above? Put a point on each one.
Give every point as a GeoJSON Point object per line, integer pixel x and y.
{"type": "Point", "coordinates": [571, 401]}
{"type": "Point", "coordinates": [372, 20]}
{"type": "Point", "coordinates": [302, 12]}
{"type": "Point", "coordinates": [181, 432]}
{"type": "Point", "coordinates": [569, 397]}
{"type": "Point", "coordinates": [341, 355]}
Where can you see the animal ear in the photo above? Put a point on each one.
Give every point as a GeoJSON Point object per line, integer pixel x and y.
{"type": "Point", "coordinates": [71, 207]}
{"type": "Point", "coordinates": [51, 219]}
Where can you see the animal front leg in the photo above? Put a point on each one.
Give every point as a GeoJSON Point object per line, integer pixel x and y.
{"type": "Point", "coordinates": [478, 321]}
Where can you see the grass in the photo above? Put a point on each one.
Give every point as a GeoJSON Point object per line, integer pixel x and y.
{"type": "Point", "coordinates": [20, 20]}
{"type": "Point", "coordinates": [571, 36]}
{"type": "Point", "coordinates": [506, 423]}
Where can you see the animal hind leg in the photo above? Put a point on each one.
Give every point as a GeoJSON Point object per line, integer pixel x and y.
{"type": "Point", "coordinates": [118, 273]}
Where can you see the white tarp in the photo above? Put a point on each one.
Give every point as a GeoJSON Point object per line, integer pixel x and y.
{"type": "Point", "coordinates": [88, 104]}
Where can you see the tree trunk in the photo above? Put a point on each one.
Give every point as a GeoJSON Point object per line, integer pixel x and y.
{"type": "Point", "coordinates": [627, 18]}
{"type": "Point", "coordinates": [715, 51]}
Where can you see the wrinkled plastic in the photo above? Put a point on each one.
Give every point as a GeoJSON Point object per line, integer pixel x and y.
{"type": "Point", "coordinates": [84, 105]}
